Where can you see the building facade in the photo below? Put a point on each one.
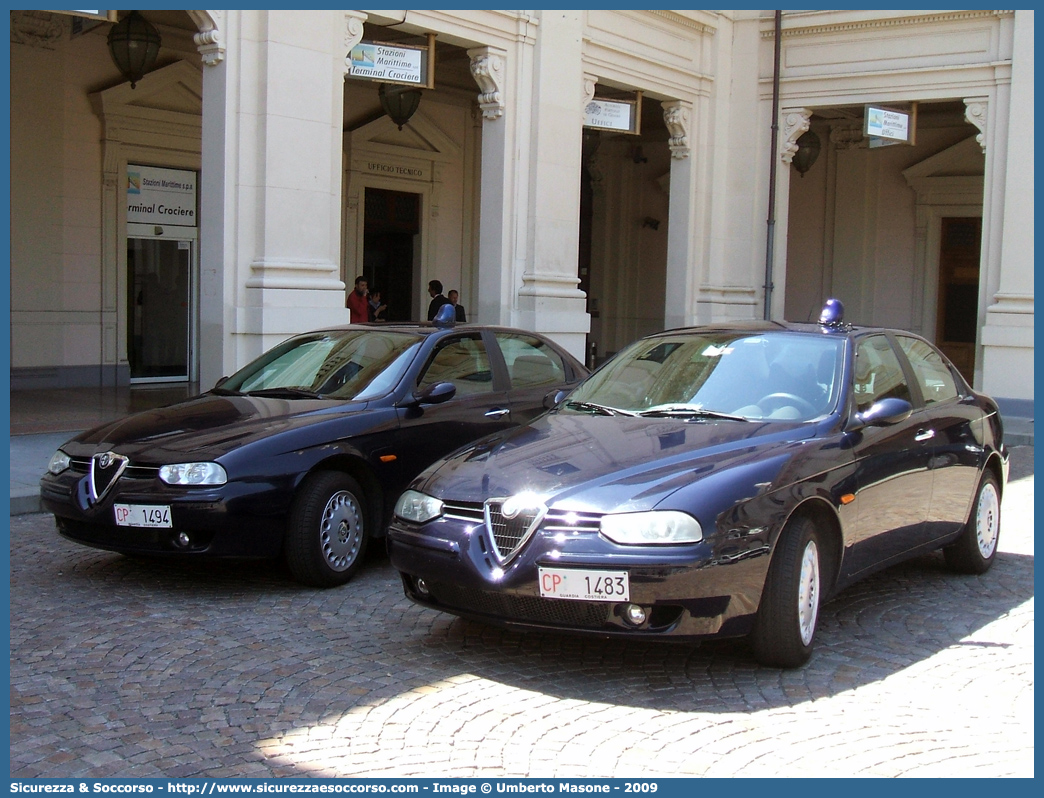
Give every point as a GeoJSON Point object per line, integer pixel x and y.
{"type": "Point", "coordinates": [176, 228]}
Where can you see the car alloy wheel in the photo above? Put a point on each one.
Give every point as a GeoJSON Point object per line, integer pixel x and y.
{"type": "Point", "coordinates": [975, 548]}
{"type": "Point", "coordinates": [987, 520]}
{"type": "Point", "coordinates": [785, 626]}
{"type": "Point", "coordinates": [326, 532]}
{"type": "Point", "coordinates": [808, 593]}
{"type": "Point", "coordinates": [340, 531]}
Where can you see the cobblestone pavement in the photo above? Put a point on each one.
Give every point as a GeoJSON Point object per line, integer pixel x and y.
{"type": "Point", "coordinates": [130, 668]}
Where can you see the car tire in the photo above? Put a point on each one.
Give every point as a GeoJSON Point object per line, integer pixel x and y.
{"type": "Point", "coordinates": [785, 626]}
{"type": "Point", "coordinates": [975, 548]}
{"type": "Point", "coordinates": [326, 533]}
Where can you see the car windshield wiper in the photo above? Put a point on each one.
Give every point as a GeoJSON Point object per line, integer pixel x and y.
{"type": "Point", "coordinates": [604, 410]}
{"type": "Point", "coordinates": [286, 392]}
{"type": "Point", "coordinates": [688, 411]}
{"type": "Point", "coordinates": [224, 392]}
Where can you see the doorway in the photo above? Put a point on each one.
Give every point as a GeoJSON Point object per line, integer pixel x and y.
{"type": "Point", "coordinates": [960, 243]}
{"type": "Point", "coordinates": [160, 304]}
{"type": "Point", "coordinates": [391, 249]}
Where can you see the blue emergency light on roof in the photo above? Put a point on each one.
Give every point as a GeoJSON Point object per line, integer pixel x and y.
{"type": "Point", "coordinates": [833, 314]}
{"type": "Point", "coordinates": [446, 316]}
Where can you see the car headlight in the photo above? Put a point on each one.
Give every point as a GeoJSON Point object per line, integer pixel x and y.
{"type": "Point", "coordinates": [59, 462]}
{"type": "Point", "coordinates": [658, 526]}
{"type": "Point", "coordinates": [193, 474]}
{"type": "Point", "coordinates": [418, 507]}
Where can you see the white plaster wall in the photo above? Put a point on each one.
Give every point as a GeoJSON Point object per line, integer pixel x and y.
{"type": "Point", "coordinates": [55, 207]}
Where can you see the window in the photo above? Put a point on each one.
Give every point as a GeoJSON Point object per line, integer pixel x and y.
{"type": "Point", "coordinates": [531, 363]}
{"type": "Point", "coordinates": [932, 373]}
{"type": "Point", "coordinates": [462, 361]}
{"type": "Point", "coordinates": [878, 374]}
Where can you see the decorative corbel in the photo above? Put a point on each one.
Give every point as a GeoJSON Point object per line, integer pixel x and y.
{"type": "Point", "coordinates": [488, 68]}
{"type": "Point", "coordinates": [795, 122]}
{"type": "Point", "coordinates": [677, 116]}
{"type": "Point", "coordinates": [208, 41]}
{"type": "Point", "coordinates": [590, 81]}
{"type": "Point", "coordinates": [975, 109]}
{"type": "Point", "coordinates": [210, 48]}
{"type": "Point", "coordinates": [353, 33]}
{"type": "Point", "coordinates": [845, 136]}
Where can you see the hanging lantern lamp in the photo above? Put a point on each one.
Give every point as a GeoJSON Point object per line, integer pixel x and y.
{"type": "Point", "coordinates": [134, 45]}
{"type": "Point", "coordinates": [399, 102]}
{"type": "Point", "coordinates": [808, 150]}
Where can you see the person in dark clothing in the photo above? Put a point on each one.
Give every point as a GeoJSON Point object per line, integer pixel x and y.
{"type": "Point", "coordinates": [454, 299]}
{"type": "Point", "coordinates": [377, 307]}
{"type": "Point", "coordinates": [437, 299]}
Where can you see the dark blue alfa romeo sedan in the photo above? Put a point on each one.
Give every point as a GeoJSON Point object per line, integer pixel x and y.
{"type": "Point", "coordinates": [713, 481]}
{"type": "Point", "coordinates": [302, 453]}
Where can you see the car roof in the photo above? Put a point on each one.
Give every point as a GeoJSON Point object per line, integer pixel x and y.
{"type": "Point", "coordinates": [759, 326]}
{"type": "Point", "coordinates": [422, 327]}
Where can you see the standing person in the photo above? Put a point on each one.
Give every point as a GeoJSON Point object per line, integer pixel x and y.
{"type": "Point", "coordinates": [377, 307]}
{"type": "Point", "coordinates": [454, 299]}
{"type": "Point", "coordinates": [357, 303]}
{"type": "Point", "coordinates": [437, 299]}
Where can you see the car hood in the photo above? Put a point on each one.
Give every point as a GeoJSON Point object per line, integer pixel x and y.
{"type": "Point", "coordinates": [205, 427]}
{"type": "Point", "coordinates": [611, 464]}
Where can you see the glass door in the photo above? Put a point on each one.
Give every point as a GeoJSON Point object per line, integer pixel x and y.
{"type": "Point", "coordinates": [160, 307]}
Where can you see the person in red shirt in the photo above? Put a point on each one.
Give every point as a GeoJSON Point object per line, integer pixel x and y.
{"type": "Point", "coordinates": [358, 304]}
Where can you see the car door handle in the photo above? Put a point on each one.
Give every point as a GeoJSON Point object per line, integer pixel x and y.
{"type": "Point", "coordinates": [497, 412]}
{"type": "Point", "coordinates": [924, 435]}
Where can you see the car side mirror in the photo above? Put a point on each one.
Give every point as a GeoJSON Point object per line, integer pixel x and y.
{"type": "Point", "coordinates": [885, 412]}
{"type": "Point", "coordinates": [435, 394]}
{"type": "Point", "coordinates": [221, 382]}
{"type": "Point", "coordinates": [553, 399]}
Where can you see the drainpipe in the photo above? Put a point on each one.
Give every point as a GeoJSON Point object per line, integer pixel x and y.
{"type": "Point", "coordinates": [770, 243]}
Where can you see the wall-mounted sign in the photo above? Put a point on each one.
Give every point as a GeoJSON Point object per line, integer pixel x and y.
{"type": "Point", "coordinates": [886, 123]}
{"type": "Point", "coordinates": [394, 63]}
{"type": "Point", "coordinates": [623, 116]}
{"type": "Point", "coordinates": [161, 196]}
{"type": "Point", "coordinates": [105, 16]}
{"type": "Point", "coordinates": [408, 171]}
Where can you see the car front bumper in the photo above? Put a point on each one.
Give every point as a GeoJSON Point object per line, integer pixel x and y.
{"type": "Point", "coordinates": [237, 519]}
{"type": "Point", "coordinates": [692, 591]}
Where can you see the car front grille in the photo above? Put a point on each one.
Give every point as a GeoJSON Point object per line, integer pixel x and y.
{"type": "Point", "coordinates": [82, 465]}
{"type": "Point", "coordinates": [508, 535]}
{"type": "Point", "coordinates": [555, 612]}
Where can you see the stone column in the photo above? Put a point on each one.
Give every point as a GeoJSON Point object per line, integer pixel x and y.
{"type": "Point", "coordinates": [489, 67]}
{"type": "Point", "coordinates": [1007, 335]}
{"type": "Point", "coordinates": [682, 271]}
{"type": "Point", "coordinates": [272, 184]}
{"type": "Point", "coordinates": [549, 299]}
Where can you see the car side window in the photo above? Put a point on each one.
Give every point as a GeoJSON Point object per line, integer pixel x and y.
{"type": "Point", "coordinates": [462, 361]}
{"type": "Point", "coordinates": [878, 374]}
{"type": "Point", "coordinates": [933, 375]}
{"type": "Point", "coordinates": [531, 363]}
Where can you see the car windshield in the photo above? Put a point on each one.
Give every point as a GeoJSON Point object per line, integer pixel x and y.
{"type": "Point", "coordinates": [335, 364]}
{"type": "Point", "coordinates": [718, 374]}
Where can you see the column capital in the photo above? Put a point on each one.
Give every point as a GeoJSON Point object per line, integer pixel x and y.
{"type": "Point", "coordinates": [677, 116]}
{"type": "Point", "coordinates": [488, 68]}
